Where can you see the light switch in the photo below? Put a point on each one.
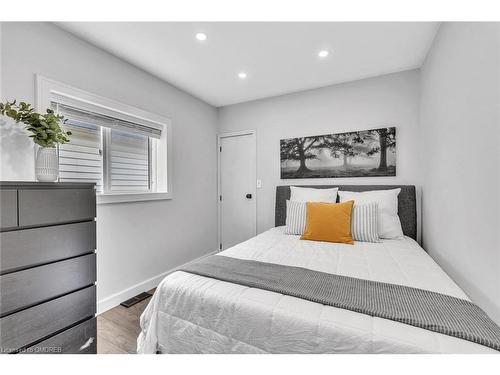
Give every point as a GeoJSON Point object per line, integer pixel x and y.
{"type": "Point", "coordinates": [259, 184]}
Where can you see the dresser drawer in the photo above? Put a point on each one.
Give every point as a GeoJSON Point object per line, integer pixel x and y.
{"type": "Point", "coordinates": [8, 209]}
{"type": "Point", "coordinates": [80, 339]}
{"type": "Point", "coordinates": [25, 327]}
{"type": "Point", "coordinates": [31, 247]}
{"type": "Point", "coordinates": [53, 206]}
{"type": "Point", "coordinates": [34, 285]}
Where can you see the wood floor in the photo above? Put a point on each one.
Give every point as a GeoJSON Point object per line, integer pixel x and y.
{"type": "Point", "coordinates": [118, 328]}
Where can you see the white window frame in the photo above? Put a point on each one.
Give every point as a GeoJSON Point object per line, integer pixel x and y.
{"type": "Point", "coordinates": [48, 90]}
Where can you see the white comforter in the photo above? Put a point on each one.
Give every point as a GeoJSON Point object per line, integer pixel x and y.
{"type": "Point", "coordinates": [195, 314]}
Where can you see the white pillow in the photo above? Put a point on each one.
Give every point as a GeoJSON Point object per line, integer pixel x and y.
{"type": "Point", "coordinates": [295, 217]}
{"type": "Point", "coordinates": [301, 194]}
{"type": "Point", "coordinates": [389, 225]}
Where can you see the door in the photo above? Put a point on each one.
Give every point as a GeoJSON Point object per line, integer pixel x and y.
{"type": "Point", "coordinates": [237, 188]}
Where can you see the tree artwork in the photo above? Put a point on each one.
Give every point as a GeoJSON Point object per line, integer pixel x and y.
{"type": "Point", "coordinates": [353, 154]}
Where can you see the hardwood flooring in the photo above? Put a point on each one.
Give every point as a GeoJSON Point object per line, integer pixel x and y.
{"type": "Point", "coordinates": [118, 329]}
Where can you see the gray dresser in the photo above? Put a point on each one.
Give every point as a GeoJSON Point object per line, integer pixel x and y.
{"type": "Point", "coordinates": [47, 268]}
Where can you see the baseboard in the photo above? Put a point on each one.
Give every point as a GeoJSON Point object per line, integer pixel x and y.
{"type": "Point", "coordinates": [115, 299]}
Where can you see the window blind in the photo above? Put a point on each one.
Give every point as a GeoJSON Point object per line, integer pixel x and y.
{"type": "Point", "coordinates": [130, 162]}
{"type": "Point", "coordinates": [106, 121]}
{"type": "Point", "coordinates": [80, 160]}
{"type": "Point", "coordinates": [112, 153]}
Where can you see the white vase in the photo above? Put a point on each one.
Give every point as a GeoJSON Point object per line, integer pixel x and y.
{"type": "Point", "coordinates": [47, 164]}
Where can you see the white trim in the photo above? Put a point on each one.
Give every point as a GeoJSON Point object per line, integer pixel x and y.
{"type": "Point", "coordinates": [46, 89]}
{"type": "Point", "coordinates": [115, 299]}
{"type": "Point", "coordinates": [253, 133]}
{"type": "Point", "coordinates": [106, 159]}
{"type": "Point", "coordinates": [131, 197]}
{"type": "Point", "coordinates": [237, 133]}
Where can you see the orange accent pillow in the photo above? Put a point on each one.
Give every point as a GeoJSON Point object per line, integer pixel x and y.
{"type": "Point", "coordinates": [329, 222]}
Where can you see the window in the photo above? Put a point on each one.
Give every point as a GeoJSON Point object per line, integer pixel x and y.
{"type": "Point", "coordinates": [123, 150]}
{"type": "Point", "coordinates": [130, 162]}
{"type": "Point", "coordinates": [115, 155]}
{"type": "Point", "coordinates": [80, 160]}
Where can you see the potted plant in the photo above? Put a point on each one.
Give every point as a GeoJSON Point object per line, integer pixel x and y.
{"type": "Point", "coordinates": [46, 133]}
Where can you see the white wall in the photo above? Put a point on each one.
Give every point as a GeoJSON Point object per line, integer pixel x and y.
{"type": "Point", "coordinates": [390, 100]}
{"type": "Point", "coordinates": [460, 160]}
{"type": "Point", "coordinates": [448, 137]}
{"type": "Point", "coordinates": [136, 241]}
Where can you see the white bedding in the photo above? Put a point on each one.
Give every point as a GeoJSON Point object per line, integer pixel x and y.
{"type": "Point", "coordinates": [195, 314]}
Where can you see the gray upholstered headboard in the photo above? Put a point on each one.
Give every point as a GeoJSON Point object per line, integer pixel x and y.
{"type": "Point", "coordinates": [407, 204]}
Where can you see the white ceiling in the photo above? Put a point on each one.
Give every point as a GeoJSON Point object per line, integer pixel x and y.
{"type": "Point", "coordinates": [279, 58]}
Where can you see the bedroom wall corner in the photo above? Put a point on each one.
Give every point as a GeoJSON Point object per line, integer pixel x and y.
{"type": "Point", "coordinates": [460, 165]}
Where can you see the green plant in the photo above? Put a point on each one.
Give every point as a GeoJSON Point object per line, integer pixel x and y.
{"type": "Point", "coordinates": [46, 128]}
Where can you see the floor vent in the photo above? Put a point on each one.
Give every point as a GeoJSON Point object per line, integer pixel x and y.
{"type": "Point", "coordinates": [138, 298]}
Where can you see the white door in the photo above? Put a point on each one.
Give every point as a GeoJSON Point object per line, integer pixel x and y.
{"type": "Point", "coordinates": [237, 185]}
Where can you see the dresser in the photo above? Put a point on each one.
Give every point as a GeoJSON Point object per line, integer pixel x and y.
{"type": "Point", "coordinates": [47, 268]}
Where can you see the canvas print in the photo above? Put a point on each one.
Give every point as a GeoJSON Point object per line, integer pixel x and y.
{"type": "Point", "coordinates": [354, 154]}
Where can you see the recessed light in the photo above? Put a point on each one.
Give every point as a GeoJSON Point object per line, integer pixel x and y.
{"type": "Point", "coordinates": [323, 53]}
{"type": "Point", "coordinates": [201, 36]}
{"type": "Point", "coordinates": [242, 75]}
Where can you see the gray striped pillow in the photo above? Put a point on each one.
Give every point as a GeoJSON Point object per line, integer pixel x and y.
{"type": "Point", "coordinates": [364, 221]}
{"type": "Point", "coordinates": [295, 217]}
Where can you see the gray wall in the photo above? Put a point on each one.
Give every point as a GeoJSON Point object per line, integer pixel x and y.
{"type": "Point", "coordinates": [390, 100]}
{"type": "Point", "coordinates": [460, 163]}
{"type": "Point", "coordinates": [136, 241]}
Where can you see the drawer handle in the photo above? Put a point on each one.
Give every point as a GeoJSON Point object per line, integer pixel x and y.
{"type": "Point", "coordinates": [87, 344]}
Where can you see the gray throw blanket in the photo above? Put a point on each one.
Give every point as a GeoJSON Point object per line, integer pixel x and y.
{"type": "Point", "coordinates": [417, 307]}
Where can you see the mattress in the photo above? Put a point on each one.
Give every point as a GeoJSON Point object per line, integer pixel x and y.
{"type": "Point", "coordinates": [195, 314]}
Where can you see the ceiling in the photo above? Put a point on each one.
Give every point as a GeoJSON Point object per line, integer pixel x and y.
{"type": "Point", "coordinates": [279, 58]}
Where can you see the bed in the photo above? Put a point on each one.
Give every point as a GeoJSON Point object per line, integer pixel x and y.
{"type": "Point", "coordinates": [195, 314]}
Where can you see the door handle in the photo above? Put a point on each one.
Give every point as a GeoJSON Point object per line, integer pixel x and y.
{"type": "Point", "coordinates": [248, 196]}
